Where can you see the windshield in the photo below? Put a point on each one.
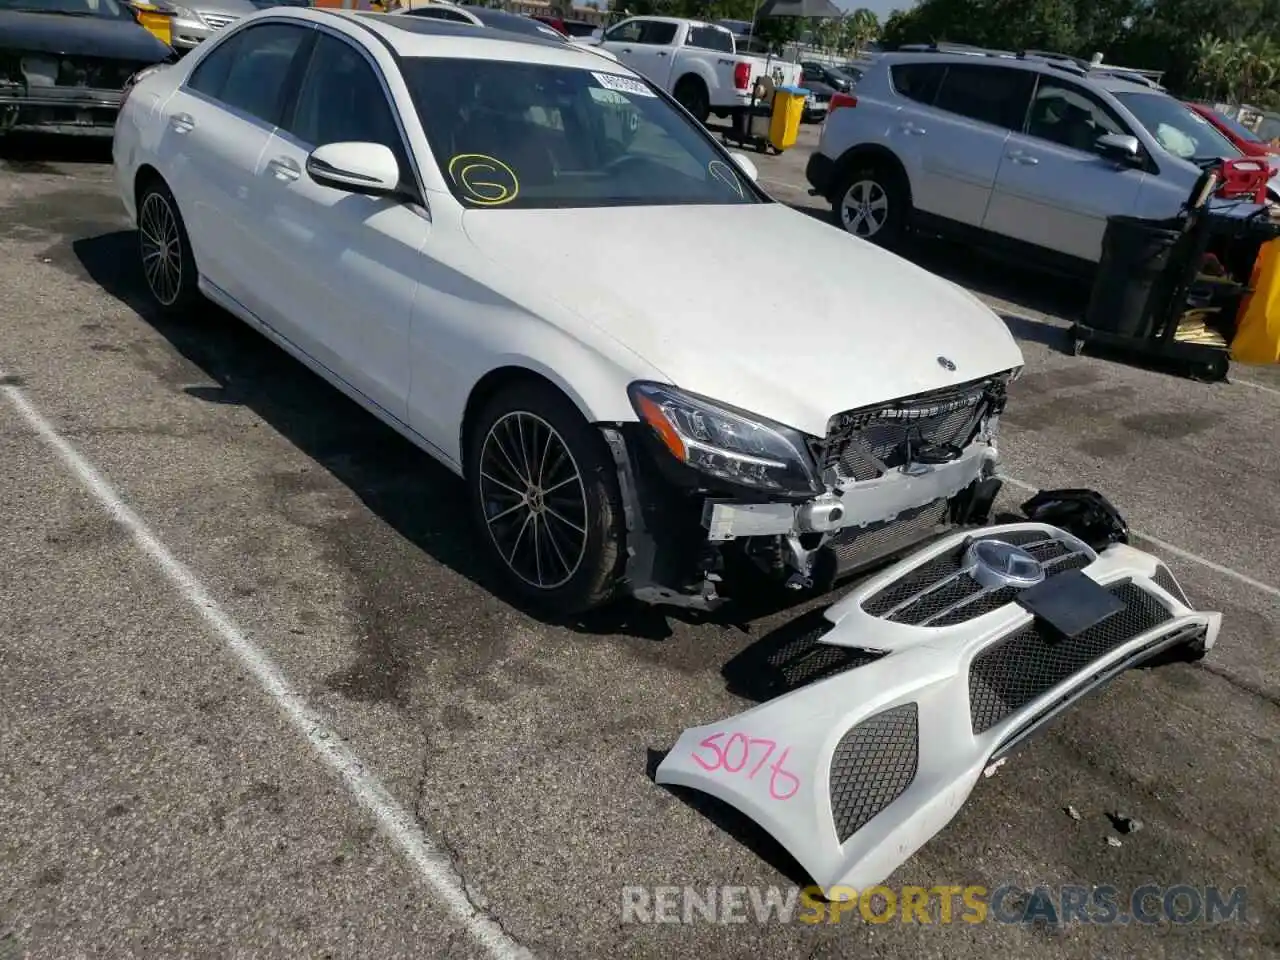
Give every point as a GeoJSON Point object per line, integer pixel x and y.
{"type": "Point", "coordinates": [1178, 128]}
{"type": "Point", "coordinates": [527, 135]}
{"type": "Point", "coordinates": [80, 8]}
{"type": "Point", "coordinates": [1236, 127]}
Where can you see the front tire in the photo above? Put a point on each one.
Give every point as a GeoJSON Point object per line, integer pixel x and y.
{"type": "Point", "coordinates": [164, 251]}
{"type": "Point", "coordinates": [872, 202]}
{"type": "Point", "coordinates": [544, 498]}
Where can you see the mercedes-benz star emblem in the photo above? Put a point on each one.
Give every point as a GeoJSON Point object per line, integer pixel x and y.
{"type": "Point", "coordinates": [994, 563]}
{"type": "Point", "coordinates": [946, 364]}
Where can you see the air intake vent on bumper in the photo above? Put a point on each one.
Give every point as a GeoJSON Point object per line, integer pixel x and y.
{"type": "Point", "coordinates": [872, 766]}
{"type": "Point", "coordinates": [1011, 673]}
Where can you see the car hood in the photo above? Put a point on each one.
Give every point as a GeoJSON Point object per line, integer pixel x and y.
{"type": "Point", "coordinates": [79, 36]}
{"type": "Point", "coordinates": [754, 305]}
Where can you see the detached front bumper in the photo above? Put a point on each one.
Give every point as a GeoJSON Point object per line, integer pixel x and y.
{"type": "Point", "coordinates": [915, 684]}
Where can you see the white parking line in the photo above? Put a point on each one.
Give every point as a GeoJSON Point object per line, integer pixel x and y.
{"type": "Point", "coordinates": [431, 863]}
{"type": "Point", "coordinates": [1175, 550]}
{"type": "Point", "coordinates": [1256, 386]}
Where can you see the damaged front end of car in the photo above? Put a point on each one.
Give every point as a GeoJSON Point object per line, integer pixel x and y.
{"type": "Point", "coordinates": [708, 488]}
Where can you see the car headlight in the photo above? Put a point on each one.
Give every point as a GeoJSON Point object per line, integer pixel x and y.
{"type": "Point", "coordinates": [724, 442]}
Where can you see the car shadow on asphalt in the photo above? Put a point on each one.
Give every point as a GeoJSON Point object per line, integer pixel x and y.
{"type": "Point", "coordinates": [733, 822]}
{"type": "Point", "coordinates": [416, 496]}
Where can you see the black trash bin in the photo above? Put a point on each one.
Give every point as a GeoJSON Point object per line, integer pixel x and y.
{"type": "Point", "coordinates": [1135, 258]}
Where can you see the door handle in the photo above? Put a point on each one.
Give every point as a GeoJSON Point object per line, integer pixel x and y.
{"type": "Point", "coordinates": [282, 168]}
{"type": "Point", "coordinates": [662, 53]}
{"type": "Point", "coordinates": [625, 50]}
{"type": "Point", "coordinates": [1019, 157]}
{"type": "Point", "coordinates": [182, 123]}
{"type": "Point", "coordinates": [912, 129]}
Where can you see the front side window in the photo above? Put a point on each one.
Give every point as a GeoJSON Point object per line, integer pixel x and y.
{"type": "Point", "coordinates": [1178, 128]}
{"type": "Point", "coordinates": [510, 134]}
{"type": "Point", "coordinates": [994, 95]}
{"type": "Point", "coordinates": [248, 70]}
{"type": "Point", "coordinates": [340, 100]}
{"type": "Point", "coordinates": [1064, 114]}
{"type": "Point", "coordinates": [628, 32]}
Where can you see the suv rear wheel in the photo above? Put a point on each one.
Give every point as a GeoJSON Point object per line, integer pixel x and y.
{"type": "Point", "coordinates": [871, 202]}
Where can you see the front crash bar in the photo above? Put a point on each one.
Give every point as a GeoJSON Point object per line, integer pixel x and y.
{"type": "Point", "coordinates": [913, 759]}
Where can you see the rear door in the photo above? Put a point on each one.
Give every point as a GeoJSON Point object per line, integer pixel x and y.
{"type": "Point", "coordinates": [1053, 189]}
{"type": "Point", "coordinates": [965, 114]}
{"type": "Point", "coordinates": [216, 127]}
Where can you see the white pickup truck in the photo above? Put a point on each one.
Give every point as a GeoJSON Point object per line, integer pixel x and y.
{"type": "Point", "coordinates": [697, 63]}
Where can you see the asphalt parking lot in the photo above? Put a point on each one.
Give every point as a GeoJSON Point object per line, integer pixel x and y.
{"type": "Point", "coordinates": [194, 520]}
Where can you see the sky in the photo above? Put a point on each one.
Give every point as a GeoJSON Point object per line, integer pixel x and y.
{"type": "Point", "coordinates": [882, 8]}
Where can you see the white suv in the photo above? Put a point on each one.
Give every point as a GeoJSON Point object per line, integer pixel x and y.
{"type": "Point", "coordinates": [1032, 151]}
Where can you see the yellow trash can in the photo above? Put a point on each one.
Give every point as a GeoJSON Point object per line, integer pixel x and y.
{"type": "Point", "coordinates": [784, 122]}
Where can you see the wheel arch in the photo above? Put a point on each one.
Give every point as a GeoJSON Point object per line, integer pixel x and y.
{"type": "Point", "coordinates": [872, 154]}
{"type": "Point", "coordinates": [598, 397]}
{"type": "Point", "coordinates": [144, 175]}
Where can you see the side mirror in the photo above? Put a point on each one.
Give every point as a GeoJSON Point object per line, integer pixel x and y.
{"type": "Point", "coordinates": [745, 165]}
{"type": "Point", "coordinates": [368, 168]}
{"type": "Point", "coordinates": [1121, 148]}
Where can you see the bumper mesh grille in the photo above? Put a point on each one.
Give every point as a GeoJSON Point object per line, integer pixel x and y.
{"type": "Point", "coordinates": [871, 767]}
{"type": "Point", "coordinates": [1011, 673]}
{"type": "Point", "coordinates": [1164, 579]}
{"type": "Point", "coordinates": [805, 659]}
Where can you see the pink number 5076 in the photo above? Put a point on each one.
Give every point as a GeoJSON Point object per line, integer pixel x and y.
{"type": "Point", "coordinates": [735, 756]}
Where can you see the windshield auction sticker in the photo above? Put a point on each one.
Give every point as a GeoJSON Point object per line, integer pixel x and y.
{"type": "Point", "coordinates": [611, 81]}
{"type": "Point", "coordinates": [484, 180]}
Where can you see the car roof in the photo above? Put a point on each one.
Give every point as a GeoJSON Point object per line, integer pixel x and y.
{"type": "Point", "coordinates": [1100, 78]}
{"type": "Point", "coordinates": [428, 37]}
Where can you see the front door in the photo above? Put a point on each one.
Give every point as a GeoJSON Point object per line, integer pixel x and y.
{"type": "Point", "coordinates": [1053, 189]}
{"type": "Point", "coordinates": [346, 266]}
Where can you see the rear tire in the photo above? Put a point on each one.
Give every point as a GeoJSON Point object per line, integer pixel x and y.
{"type": "Point", "coordinates": [872, 202]}
{"type": "Point", "coordinates": [164, 251]}
{"type": "Point", "coordinates": [544, 497]}
{"type": "Point", "coordinates": [691, 93]}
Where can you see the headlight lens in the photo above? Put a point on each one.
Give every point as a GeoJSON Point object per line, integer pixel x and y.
{"type": "Point", "coordinates": [724, 442]}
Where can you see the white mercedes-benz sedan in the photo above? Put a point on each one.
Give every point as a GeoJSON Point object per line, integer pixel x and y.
{"type": "Point", "coordinates": [536, 266]}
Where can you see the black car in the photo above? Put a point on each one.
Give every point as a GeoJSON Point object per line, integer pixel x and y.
{"type": "Point", "coordinates": [822, 81]}
{"type": "Point", "coordinates": [64, 63]}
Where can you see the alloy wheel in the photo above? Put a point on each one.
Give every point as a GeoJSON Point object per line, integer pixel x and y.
{"type": "Point", "coordinates": [161, 248]}
{"type": "Point", "coordinates": [864, 208]}
{"type": "Point", "coordinates": [534, 500]}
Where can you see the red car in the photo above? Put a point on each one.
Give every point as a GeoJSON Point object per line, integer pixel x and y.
{"type": "Point", "coordinates": [1248, 142]}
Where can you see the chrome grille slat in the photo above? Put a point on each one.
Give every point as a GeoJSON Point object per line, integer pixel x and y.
{"type": "Point", "coordinates": [940, 592]}
{"type": "Point", "coordinates": [915, 597]}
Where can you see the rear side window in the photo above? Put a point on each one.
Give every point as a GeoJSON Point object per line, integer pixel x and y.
{"type": "Point", "coordinates": [993, 95]}
{"type": "Point", "coordinates": [248, 71]}
{"type": "Point", "coordinates": [917, 81]}
{"type": "Point", "coordinates": [709, 38]}
{"type": "Point", "coordinates": [658, 33]}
